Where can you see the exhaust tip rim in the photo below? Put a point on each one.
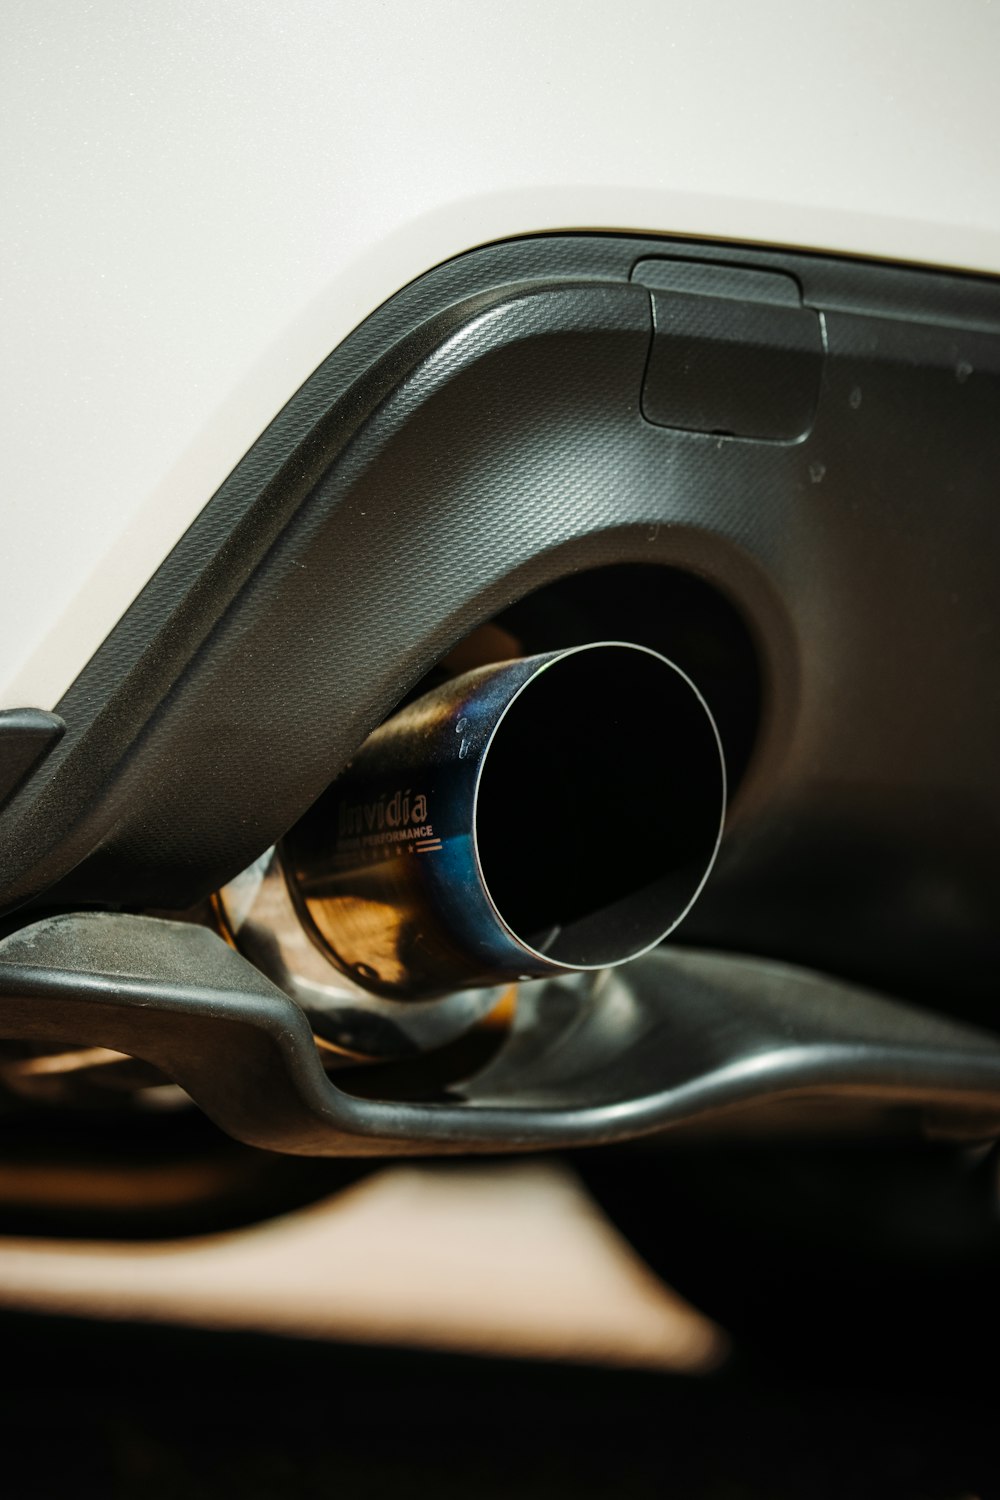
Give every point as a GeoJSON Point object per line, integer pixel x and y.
{"type": "Point", "coordinates": [538, 962]}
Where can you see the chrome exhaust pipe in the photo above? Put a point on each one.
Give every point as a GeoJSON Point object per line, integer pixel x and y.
{"type": "Point", "coordinates": [556, 813]}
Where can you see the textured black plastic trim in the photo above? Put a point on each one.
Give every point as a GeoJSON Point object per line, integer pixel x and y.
{"type": "Point", "coordinates": [671, 1038]}
{"type": "Point", "coordinates": [481, 436]}
{"type": "Point", "coordinates": [127, 705]}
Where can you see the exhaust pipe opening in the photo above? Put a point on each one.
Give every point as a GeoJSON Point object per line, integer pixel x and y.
{"type": "Point", "coordinates": [599, 806]}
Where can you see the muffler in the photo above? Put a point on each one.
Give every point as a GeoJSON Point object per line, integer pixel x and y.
{"type": "Point", "coordinates": [555, 813]}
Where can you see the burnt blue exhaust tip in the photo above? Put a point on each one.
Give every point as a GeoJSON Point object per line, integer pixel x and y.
{"type": "Point", "coordinates": [560, 812]}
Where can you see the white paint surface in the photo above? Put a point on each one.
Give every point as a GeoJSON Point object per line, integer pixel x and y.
{"type": "Point", "coordinates": [200, 200]}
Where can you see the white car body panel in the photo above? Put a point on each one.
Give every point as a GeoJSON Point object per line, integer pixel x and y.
{"type": "Point", "coordinates": [201, 201]}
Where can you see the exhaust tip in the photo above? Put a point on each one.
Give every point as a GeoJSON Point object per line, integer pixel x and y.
{"type": "Point", "coordinates": [551, 813]}
{"type": "Point", "coordinates": [599, 805]}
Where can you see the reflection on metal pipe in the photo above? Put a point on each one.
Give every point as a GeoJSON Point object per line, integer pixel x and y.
{"type": "Point", "coordinates": [258, 915]}
{"type": "Point", "coordinates": [560, 812]}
